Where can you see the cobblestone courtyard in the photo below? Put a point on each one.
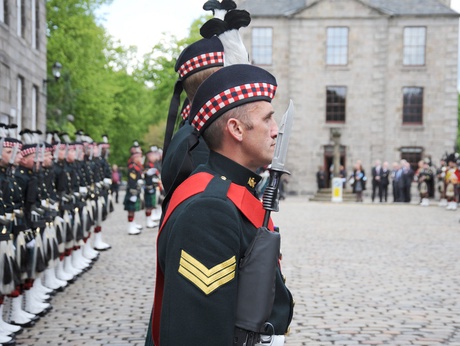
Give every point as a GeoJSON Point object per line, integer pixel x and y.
{"type": "Point", "coordinates": [361, 274]}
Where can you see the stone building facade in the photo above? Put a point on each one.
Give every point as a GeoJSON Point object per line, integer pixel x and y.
{"type": "Point", "coordinates": [23, 63]}
{"type": "Point", "coordinates": [382, 73]}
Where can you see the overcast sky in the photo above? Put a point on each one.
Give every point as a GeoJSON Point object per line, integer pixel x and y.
{"type": "Point", "coordinates": [141, 22]}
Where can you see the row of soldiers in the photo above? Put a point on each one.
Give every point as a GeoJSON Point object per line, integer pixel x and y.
{"type": "Point", "coordinates": [54, 197]}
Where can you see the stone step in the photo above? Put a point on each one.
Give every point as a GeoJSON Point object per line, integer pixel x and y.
{"type": "Point", "coordinates": [325, 195]}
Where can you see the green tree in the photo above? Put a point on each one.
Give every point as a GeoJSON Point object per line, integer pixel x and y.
{"type": "Point", "coordinates": [157, 70]}
{"type": "Point", "coordinates": [78, 43]}
{"type": "Point", "coordinates": [96, 87]}
{"type": "Point", "coordinates": [102, 89]}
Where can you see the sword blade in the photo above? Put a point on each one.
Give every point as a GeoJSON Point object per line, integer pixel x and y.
{"type": "Point", "coordinates": [282, 141]}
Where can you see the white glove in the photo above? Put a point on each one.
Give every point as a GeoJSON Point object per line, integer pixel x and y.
{"type": "Point", "coordinates": [273, 340]}
{"type": "Point", "coordinates": [140, 182]}
{"type": "Point", "coordinates": [44, 203]}
{"type": "Point", "coordinates": [107, 181]}
{"type": "Point", "coordinates": [31, 244]}
{"type": "Point", "coordinates": [83, 190]}
{"type": "Point", "coordinates": [133, 199]}
{"type": "Point", "coordinates": [151, 171]}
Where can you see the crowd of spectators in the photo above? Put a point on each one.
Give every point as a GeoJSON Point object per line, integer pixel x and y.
{"type": "Point", "coordinates": [396, 183]}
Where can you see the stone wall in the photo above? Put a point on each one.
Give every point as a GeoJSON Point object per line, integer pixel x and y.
{"type": "Point", "coordinates": [19, 58]}
{"type": "Point", "coordinates": [374, 77]}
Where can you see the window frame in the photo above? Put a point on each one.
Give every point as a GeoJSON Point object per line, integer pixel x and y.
{"type": "Point", "coordinates": [21, 18]}
{"type": "Point", "coordinates": [334, 46]}
{"type": "Point", "coordinates": [4, 12]}
{"type": "Point", "coordinates": [413, 51]}
{"type": "Point", "coordinates": [35, 99]}
{"type": "Point", "coordinates": [35, 23]}
{"type": "Point", "coordinates": [21, 101]}
{"type": "Point", "coordinates": [262, 52]}
{"type": "Point", "coordinates": [338, 115]}
{"type": "Point", "coordinates": [412, 112]}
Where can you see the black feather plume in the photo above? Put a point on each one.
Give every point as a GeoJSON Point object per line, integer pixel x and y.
{"type": "Point", "coordinates": [237, 19]}
{"type": "Point", "coordinates": [228, 5]}
{"type": "Point", "coordinates": [212, 5]}
{"type": "Point", "coordinates": [212, 27]}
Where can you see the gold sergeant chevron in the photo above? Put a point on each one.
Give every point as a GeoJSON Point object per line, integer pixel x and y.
{"type": "Point", "coordinates": [206, 279]}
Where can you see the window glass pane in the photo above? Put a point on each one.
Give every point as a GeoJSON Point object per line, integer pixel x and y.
{"type": "Point", "coordinates": [412, 105]}
{"type": "Point", "coordinates": [414, 45]}
{"type": "Point", "coordinates": [336, 104]}
{"type": "Point", "coordinates": [262, 46]}
{"type": "Point", "coordinates": [337, 46]}
{"type": "Point", "coordinates": [2, 11]}
{"type": "Point", "coordinates": [35, 100]}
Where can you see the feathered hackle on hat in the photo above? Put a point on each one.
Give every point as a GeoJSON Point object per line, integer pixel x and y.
{"type": "Point", "coordinates": [225, 25]}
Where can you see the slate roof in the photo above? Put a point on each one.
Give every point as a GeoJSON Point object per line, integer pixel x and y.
{"type": "Point", "coordinates": [272, 8]}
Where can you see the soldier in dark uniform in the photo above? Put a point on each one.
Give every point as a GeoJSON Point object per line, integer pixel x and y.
{"type": "Point", "coordinates": [28, 179]}
{"type": "Point", "coordinates": [14, 205]}
{"type": "Point", "coordinates": [219, 48]}
{"type": "Point", "coordinates": [132, 201]}
{"type": "Point", "coordinates": [9, 273]}
{"type": "Point", "coordinates": [106, 175]}
{"type": "Point", "coordinates": [185, 151]}
{"type": "Point", "coordinates": [204, 237]}
{"type": "Point", "coordinates": [152, 181]}
{"type": "Point", "coordinates": [95, 172]}
{"type": "Point", "coordinates": [49, 206]}
{"type": "Point", "coordinates": [64, 195]}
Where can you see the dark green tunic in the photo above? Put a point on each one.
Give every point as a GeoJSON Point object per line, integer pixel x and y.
{"type": "Point", "coordinates": [207, 233]}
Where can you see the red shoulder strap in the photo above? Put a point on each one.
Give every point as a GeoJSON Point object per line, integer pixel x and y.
{"type": "Point", "coordinates": [248, 204]}
{"type": "Point", "coordinates": [196, 184]}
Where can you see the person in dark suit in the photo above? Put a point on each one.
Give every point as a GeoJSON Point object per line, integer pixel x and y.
{"type": "Point", "coordinates": [384, 182]}
{"type": "Point", "coordinates": [407, 178]}
{"type": "Point", "coordinates": [395, 179]}
{"type": "Point", "coordinates": [320, 178]}
{"type": "Point", "coordinates": [376, 185]}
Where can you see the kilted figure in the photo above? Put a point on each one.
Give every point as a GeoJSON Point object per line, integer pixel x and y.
{"type": "Point", "coordinates": [97, 193]}
{"type": "Point", "coordinates": [451, 181]}
{"type": "Point", "coordinates": [27, 176]}
{"type": "Point", "coordinates": [151, 188]}
{"type": "Point", "coordinates": [424, 177]}
{"type": "Point", "coordinates": [441, 176]}
{"type": "Point", "coordinates": [133, 197]}
{"type": "Point", "coordinates": [10, 276]}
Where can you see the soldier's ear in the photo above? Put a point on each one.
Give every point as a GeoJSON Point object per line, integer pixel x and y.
{"type": "Point", "coordinates": [235, 128]}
